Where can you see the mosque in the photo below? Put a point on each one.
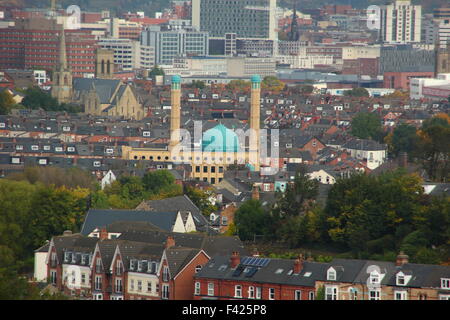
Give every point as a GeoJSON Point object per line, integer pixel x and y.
{"type": "Point", "coordinates": [219, 147]}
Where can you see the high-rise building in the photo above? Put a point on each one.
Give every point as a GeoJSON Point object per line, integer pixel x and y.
{"type": "Point", "coordinates": [34, 44]}
{"type": "Point", "coordinates": [248, 19]}
{"type": "Point", "coordinates": [401, 22]}
{"type": "Point", "coordinates": [174, 43]}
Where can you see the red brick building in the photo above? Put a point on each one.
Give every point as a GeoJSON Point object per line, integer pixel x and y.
{"type": "Point", "coordinates": [400, 80]}
{"type": "Point", "coordinates": [233, 277]}
{"type": "Point", "coordinates": [34, 44]}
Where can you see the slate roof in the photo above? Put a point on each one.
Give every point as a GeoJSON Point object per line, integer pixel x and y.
{"type": "Point", "coordinates": [364, 144]}
{"type": "Point", "coordinates": [101, 218]}
{"type": "Point", "coordinates": [178, 258]}
{"type": "Point", "coordinates": [277, 271]}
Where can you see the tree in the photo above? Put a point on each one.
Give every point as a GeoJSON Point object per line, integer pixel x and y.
{"type": "Point", "coordinates": [366, 125]}
{"type": "Point", "coordinates": [156, 71]}
{"type": "Point", "coordinates": [432, 149]}
{"type": "Point", "coordinates": [271, 83]}
{"type": "Point", "coordinates": [35, 98]}
{"type": "Point", "coordinates": [155, 181]}
{"type": "Point", "coordinates": [6, 102]}
{"type": "Point", "coordinates": [297, 195]}
{"type": "Point", "coordinates": [202, 199]}
{"type": "Point", "coordinates": [239, 86]}
{"type": "Point", "coordinates": [357, 92]}
{"type": "Point", "coordinates": [251, 220]}
{"type": "Point", "coordinates": [197, 84]}
{"type": "Point", "coordinates": [404, 139]}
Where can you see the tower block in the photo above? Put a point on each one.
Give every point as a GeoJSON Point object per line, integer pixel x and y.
{"type": "Point", "coordinates": [175, 97]}
{"type": "Point", "coordinates": [255, 107]}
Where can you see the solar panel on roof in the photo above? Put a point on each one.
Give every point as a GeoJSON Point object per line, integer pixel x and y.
{"type": "Point", "coordinates": [238, 271]}
{"type": "Point", "coordinates": [251, 272]}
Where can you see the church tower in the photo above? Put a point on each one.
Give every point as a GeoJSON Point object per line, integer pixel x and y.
{"type": "Point", "coordinates": [62, 76]}
{"type": "Point", "coordinates": [175, 97]}
{"type": "Point", "coordinates": [104, 67]}
{"type": "Point", "coordinates": [255, 109]}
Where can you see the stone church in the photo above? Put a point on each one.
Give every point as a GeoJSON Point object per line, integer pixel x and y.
{"type": "Point", "coordinates": [102, 96]}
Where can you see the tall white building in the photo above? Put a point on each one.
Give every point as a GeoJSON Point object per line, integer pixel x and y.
{"type": "Point", "coordinates": [401, 22]}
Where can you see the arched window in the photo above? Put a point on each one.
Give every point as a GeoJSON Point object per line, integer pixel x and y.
{"type": "Point", "coordinates": [108, 67]}
{"type": "Point", "coordinates": [65, 81]}
{"type": "Point", "coordinates": [103, 67]}
{"type": "Point", "coordinates": [198, 268]}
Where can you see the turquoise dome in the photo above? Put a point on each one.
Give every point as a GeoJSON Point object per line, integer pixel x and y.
{"type": "Point", "coordinates": [256, 78]}
{"type": "Point", "coordinates": [176, 79]}
{"type": "Point", "coordinates": [220, 139]}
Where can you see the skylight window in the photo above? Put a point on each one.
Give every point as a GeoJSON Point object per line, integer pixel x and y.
{"type": "Point", "coordinates": [279, 271]}
{"type": "Point", "coordinates": [307, 274]}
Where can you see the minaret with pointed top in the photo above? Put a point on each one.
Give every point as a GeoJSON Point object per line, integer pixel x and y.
{"type": "Point", "coordinates": [255, 108]}
{"type": "Point", "coordinates": [62, 76]}
{"type": "Point", "coordinates": [175, 97]}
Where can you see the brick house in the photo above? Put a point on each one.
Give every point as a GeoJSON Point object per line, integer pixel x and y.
{"type": "Point", "coordinates": [251, 277]}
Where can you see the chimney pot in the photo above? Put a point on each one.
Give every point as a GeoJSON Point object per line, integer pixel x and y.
{"type": "Point", "coordinates": [298, 265]}
{"type": "Point", "coordinates": [170, 242]}
{"type": "Point", "coordinates": [402, 259]}
{"type": "Point", "coordinates": [235, 259]}
{"type": "Point", "coordinates": [103, 234]}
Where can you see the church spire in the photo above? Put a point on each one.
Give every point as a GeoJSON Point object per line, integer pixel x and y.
{"type": "Point", "coordinates": [293, 34]}
{"type": "Point", "coordinates": [62, 63]}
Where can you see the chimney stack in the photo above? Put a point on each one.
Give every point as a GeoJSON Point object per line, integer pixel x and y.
{"type": "Point", "coordinates": [255, 193]}
{"type": "Point", "coordinates": [403, 159]}
{"type": "Point", "coordinates": [235, 259]}
{"type": "Point", "coordinates": [67, 233]}
{"type": "Point", "coordinates": [298, 264]}
{"type": "Point", "coordinates": [103, 234]}
{"type": "Point", "coordinates": [170, 242]}
{"type": "Point", "coordinates": [402, 259]}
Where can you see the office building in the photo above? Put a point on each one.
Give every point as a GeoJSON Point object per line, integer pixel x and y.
{"type": "Point", "coordinates": [174, 43]}
{"type": "Point", "coordinates": [401, 22]}
{"type": "Point", "coordinates": [248, 19]}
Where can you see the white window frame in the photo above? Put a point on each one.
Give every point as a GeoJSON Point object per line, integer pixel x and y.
{"type": "Point", "coordinates": [165, 292]}
{"type": "Point", "coordinates": [271, 293]}
{"type": "Point", "coordinates": [210, 288]}
{"type": "Point", "coordinates": [197, 288]}
{"type": "Point", "coordinates": [251, 292]}
{"type": "Point", "coordinates": [376, 296]}
{"type": "Point", "coordinates": [98, 282]}
{"type": "Point", "coordinates": [71, 149]}
{"type": "Point", "coordinates": [258, 292]}
{"type": "Point", "coordinates": [35, 147]}
{"type": "Point", "coordinates": [331, 291]}
{"type": "Point", "coordinates": [238, 291]}
{"type": "Point", "coordinates": [331, 272]}
{"type": "Point", "coordinates": [311, 295]}
{"type": "Point", "coordinates": [445, 283]}
{"type": "Point", "coordinates": [403, 295]}
{"type": "Point", "coordinates": [53, 276]}
{"type": "Point", "coordinates": [298, 295]}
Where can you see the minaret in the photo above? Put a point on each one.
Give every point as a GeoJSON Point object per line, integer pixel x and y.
{"type": "Point", "coordinates": [175, 97]}
{"type": "Point", "coordinates": [62, 76]}
{"type": "Point", "coordinates": [255, 106]}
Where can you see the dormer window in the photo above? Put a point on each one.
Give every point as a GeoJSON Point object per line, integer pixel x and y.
{"type": "Point", "coordinates": [401, 281]}
{"type": "Point", "coordinates": [58, 149]}
{"type": "Point", "coordinates": [331, 274]}
{"type": "Point", "coordinates": [71, 149]}
{"type": "Point", "coordinates": [374, 278]}
{"type": "Point", "coordinates": [109, 151]}
{"type": "Point", "coordinates": [34, 147]}
{"type": "Point", "coordinates": [445, 283]}
{"type": "Point", "coordinates": [96, 163]}
{"type": "Point", "coordinates": [146, 133]}
{"type": "Point", "coordinates": [66, 128]}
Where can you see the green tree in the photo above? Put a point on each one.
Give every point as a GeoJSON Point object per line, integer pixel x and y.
{"type": "Point", "coordinates": [404, 139]}
{"type": "Point", "coordinates": [35, 98]}
{"type": "Point", "coordinates": [202, 199]}
{"type": "Point", "coordinates": [366, 125]}
{"type": "Point", "coordinates": [155, 181]}
{"type": "Point", "coordinates": [432, 150]}
{"type": "Point", "coordinates": [156, 71]}
{"type": "Point", "coordinates": [6, 102]}
{"type": "Point", "coordinates": [251, 220]}
{"type": "Point", "coordinates": [357, 92]}
{"type": "Point", "coordinates": [271, 83]}
{"type": "Point", "coordinates": [297, 195]}
{"type": "Point", "coordinates": [239, 85]}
